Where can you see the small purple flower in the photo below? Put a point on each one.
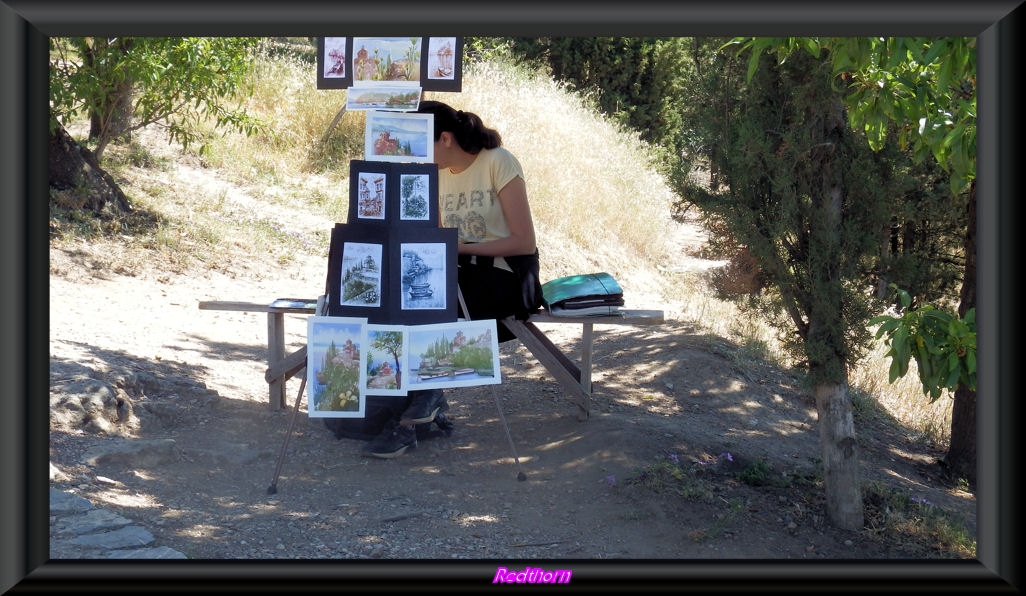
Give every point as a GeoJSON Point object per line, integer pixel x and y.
{"type": "Point", "coordinates": [726, 454]}
{"type": "Point", "coordinates": [611, 479]}
{"type": "Point", "coordinates": [922, 500]}
{"type": "Point", "coordinates": [673, 457]}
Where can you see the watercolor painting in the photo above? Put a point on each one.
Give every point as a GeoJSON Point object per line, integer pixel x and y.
{"type": "Point", "coordinates": [386, 359]}
{"type": "Point", "coordinates": [334, 56]}
{"type": "Point", "coordinates": [361, 274]}
{"type": "Point", "coordinates": [399, 136]}
{"type": "Point", "coordinates": [383, 97]}
{"type": "Point", "coordinates": [393, 59]}
{"type": "Point", "coordinates": [460, 354]}
{"type": "Point", "coordinates": [335, 375]}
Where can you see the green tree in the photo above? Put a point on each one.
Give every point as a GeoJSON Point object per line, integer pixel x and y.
{"type": "Point", "coordinates": [637, 81]}
{"type": "Point", "coordinates": [806, 196]}
{"type": "Point", "coordinates": [123, 84]}
{"type": "Point", "coordinates": [172, 81]}
{"type": "Point", "coordinates": [926, 88]}
{"type": "Point", "coordinates": [391, 342]}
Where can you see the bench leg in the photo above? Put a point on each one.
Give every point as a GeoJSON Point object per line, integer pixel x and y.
{"type": "Point", "coordinates": [275, 355]}
{"type": "Point", "coordinates": [555, 361]}
{"type": "Point", "coordinates": [586, 337]}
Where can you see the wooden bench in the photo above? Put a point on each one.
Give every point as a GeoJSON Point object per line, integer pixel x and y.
{"type": "Point", "coordinates": [573, 376]}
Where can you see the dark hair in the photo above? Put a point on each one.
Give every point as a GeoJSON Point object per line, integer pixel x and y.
{"type": "Point", "coordinates": [471, 134]}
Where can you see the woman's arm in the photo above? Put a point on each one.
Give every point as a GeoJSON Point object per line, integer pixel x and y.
{"type": "Point", "coordinates": [517, 211]}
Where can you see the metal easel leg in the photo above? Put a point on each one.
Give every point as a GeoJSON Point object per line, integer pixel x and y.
{"type": "Point", "coordinates": [288, 433]}
{"type": "Point", "coordinates": [495, 394]}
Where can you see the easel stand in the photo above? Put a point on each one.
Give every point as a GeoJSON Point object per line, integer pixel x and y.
{"type": "Point", "coordinates": [498, 405]}
{"type": "Point", "coordinates": [288, 433]}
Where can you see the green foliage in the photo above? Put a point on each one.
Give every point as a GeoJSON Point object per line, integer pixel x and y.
{"type": "Point", "coordinates": [942, 344]}
{"type": "Point", "coordinates": [178, 82]}
{"type": "Point", "coordinates": [479, 358]}
{"type": "Point", "coordinates": [638, 81]}
{"type": "Point", "coordinates": [485, 49]}
{"type": "Point", "coordinates": [757, 473]}
{"type": "Point", "coordinates": [670, 476]}
{"type": "Point", "coordinates": [925, 84]}
{"type": "Point", "coordinates": [805, 196]}
{"type": "Point", "coordinates": [928, 84]}
{"type": "Point", "coordinates": [900, 220]}
{"type": "Point", "coordinates": [389, 341]}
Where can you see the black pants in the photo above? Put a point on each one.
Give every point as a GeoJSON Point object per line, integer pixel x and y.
{"type": "Point", "coordinates": [490, 292]}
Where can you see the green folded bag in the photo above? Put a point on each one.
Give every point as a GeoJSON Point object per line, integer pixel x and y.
{"type": "Point", "coordinates": [586, 289]}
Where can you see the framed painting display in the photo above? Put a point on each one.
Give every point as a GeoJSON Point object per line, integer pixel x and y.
{"type": "Point", "coordinates": [442, 67]}
{"type": "Point", "coordinates": [427, 63]}
{"type": "Point", "coordinates": [423, 278]}
{"type": "Point", "coordinates": [369, 186]}
{"type": "Point", "coordinates": [399, 137]}
{"type": "Point", "coordinates": [336, 376]}
{"type": "Point", "coordinates": [383, 97]}
{"type": "Point", "coordinates": [396, 60]}
{"type": "Point", "coordinates": [358, 270]}
{"type": "Point", "coordinates": [334, 67]}
{"type": "Point", "coordinates": [416, 189]}
{"type": "Point", "coordinates": [460, 354]}
{"type": "Point", "coordinates": [384, 193]}
{"type": "Point", "coordinates": [385, 359]}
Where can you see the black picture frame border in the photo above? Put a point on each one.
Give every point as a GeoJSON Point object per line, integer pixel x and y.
{"type": "Point", "coordinates": [340, 235]}
{"type": "Point", "coordinates": [363, 166]}
{"type": "Point", "coordinates": [426, 235]}
{"type": "Point", "coordinates": [326, 82]}
{"type": "Point", "coordinates": [24, 25]}
{"type": "Point", "coordinates": [454, 85]}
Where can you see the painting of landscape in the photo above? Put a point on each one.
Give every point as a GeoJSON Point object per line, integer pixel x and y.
{"type": "Point", "coordinates": [361, 274]}
{"type": "Point", "coordinates": [394, 59]}
{"type": "Point", "coordinates": [460, 354]}
{"type": "Point", "coordinates": [383, 97]}
{"type": "Point", "coordinates": [386, 359]}
{"type": "Point", "coordinates": [399, 136]}
{"type": "Point", "coordinates": [335, 377]}
{"type": "Point", "coordinates": [423, 275]}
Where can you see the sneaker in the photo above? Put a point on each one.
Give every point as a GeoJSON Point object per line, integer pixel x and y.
{"type": "Point", "coordinates": [393, 441]}
{"type": "Point", "coordinates": [444, 424]}
{"type": "Point", "coordinates": [425, 431]}
{"type": "Point", "coordinates": [424, 406]}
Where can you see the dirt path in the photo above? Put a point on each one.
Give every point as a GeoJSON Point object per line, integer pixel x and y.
{"type": "Point", "coordinates": [662, 395]}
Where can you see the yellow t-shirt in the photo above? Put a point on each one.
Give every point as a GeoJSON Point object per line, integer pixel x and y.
{"type": "Point", "coordinates": [469, 200]}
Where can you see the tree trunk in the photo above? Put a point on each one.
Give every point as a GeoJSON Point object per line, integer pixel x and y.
{"type": "Point", "coordinates": [76, 179]}
{"type": "Point", "coordinates": [826, 343]}
{"type": "Point", "coordinates": [112, 117]}
{"type": "Point", "coordinates": [961, 456]}
{"type": "Point", "coordinates": [840, 456]}
{"type": "Point", "coordinates": [114, 120]}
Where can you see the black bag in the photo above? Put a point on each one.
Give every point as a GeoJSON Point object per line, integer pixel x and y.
{"type": "Point", "coordinates": [527, 269]}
